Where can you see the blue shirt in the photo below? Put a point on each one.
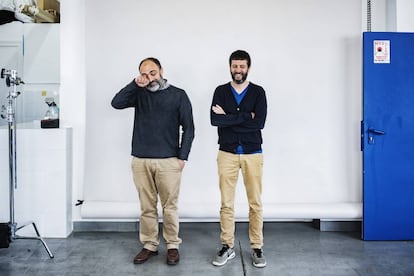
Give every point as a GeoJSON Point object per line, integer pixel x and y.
{"type": "Point", "coordinates": [239, 97]}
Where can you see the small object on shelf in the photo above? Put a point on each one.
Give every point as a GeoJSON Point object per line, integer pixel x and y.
{"type": "Point", "coordinates": [51, 119]}
{"type": "Point", "coordinates": [49, 123]}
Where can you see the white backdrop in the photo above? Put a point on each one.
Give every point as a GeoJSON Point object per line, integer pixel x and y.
{"type": "Point", "coordinates": [307, 56]}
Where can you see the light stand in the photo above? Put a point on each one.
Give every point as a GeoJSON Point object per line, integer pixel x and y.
{"type": "Point", "coordinates": [13, 80]}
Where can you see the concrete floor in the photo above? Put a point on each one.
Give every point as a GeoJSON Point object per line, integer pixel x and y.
{"type": "Point", "coordinates": [290, 248]}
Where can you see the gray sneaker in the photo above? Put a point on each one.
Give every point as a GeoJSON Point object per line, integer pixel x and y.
{"type": "Point", "coordinates": [225, 254]}
{"type": "Point", "coordinates": [259, 259]}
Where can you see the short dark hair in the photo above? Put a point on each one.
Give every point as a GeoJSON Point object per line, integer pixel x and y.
{"type": "Point", "coordinates": [240, 55]}
{"type": "Point", "coordinates": [153, 59]}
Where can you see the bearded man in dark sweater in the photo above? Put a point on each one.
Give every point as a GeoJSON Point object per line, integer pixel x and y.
{"type": "Point", "coordinates": [161, 142]}
{"type": "Point", "coordinates": [239, 110]}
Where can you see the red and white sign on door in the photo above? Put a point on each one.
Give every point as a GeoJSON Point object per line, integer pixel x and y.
{"type": "Point", "coordinates": [381, 51]}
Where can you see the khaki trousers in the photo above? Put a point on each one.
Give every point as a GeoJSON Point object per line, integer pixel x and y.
{"type": "Point", "coordinates": [153, 178]}
{"type": "Point", "coordinates": [251, 166]}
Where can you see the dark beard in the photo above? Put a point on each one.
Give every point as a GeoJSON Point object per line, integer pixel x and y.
{"type": "Point", "coordinates": [243, 79]}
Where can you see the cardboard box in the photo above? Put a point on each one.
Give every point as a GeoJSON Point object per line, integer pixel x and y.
{"type": "Point", "coordinates": [46, 17]}
{"type": "Point", "coordinates": [49, 11]}
{"type": "Point", "coordinates": [49, 5]}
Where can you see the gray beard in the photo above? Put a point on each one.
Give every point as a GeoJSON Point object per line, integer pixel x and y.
{"type": "Point", "coordinates": [155, 85]}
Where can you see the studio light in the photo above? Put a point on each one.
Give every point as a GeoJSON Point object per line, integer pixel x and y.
{"type": "Point", "coordinates": [13, 80]}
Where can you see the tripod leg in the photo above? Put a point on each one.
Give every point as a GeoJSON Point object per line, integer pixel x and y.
{"type": "Point", "coordinates": [38, 237]}
{"type": "Point", "coordinates": [43, 242]}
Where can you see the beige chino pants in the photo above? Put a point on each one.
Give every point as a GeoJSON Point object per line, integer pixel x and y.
{"type": "Point", "coordinates": [153, 178]}
{"type": "Point", "coordinates": [251, 166]}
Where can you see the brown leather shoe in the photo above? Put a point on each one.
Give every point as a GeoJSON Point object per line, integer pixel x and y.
{"type": "Point", "coordinates": [144, 255]}
{"type": "Point", "coordinates": [173, 257]}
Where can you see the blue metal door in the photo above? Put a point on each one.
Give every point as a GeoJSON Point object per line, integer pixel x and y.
{"type": "Point", "coordinates": [387, 136]}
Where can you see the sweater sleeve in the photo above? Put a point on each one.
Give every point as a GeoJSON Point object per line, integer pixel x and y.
{"type": "Point", "coordinates": [187, 124]}
{"type": "Point", "coordinates": [227, 120]}
{"type": "Point", "coordinates": [126, 97]}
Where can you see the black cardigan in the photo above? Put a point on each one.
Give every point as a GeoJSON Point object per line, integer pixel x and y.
{"type": "Point", "coordinates": [158, 117]}
{"type": "Point", "coordinates": [237, 126]}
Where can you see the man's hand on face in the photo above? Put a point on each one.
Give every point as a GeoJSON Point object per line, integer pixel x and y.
{"type": "Point", "coordinates": [141, 81]}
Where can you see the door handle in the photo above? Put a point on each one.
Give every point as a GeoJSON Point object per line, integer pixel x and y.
{"type": "Point", "coordinates": [376, 131]}
{"type": "Point", "coordinates": [371, 133]}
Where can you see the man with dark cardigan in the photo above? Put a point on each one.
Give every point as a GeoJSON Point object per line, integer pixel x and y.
{"type": "Point", "coordinates": [239, 110]}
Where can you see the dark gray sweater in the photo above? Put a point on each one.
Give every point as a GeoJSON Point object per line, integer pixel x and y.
{"type": "Point", "coordinates": [158, 118]}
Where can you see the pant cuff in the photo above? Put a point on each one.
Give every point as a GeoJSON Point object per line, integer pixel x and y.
{"type": "Point", "coordinates": [151, 247]}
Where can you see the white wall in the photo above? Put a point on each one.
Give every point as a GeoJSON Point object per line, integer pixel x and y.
{"type": "Point", "coordinates": [390, 15]}
{"type": "Point", "coordinates": [311, 138]}
{"type": "Point", "coordinates": [404, 10]}
{"type": "Point", "coordinates": [311, 145]}
{"type": "Point", "coordinates": [73, 87]}
{"type": "Point", "coordinates": [306, 55]}
{"type": "Point", "coordinates": [34, 51]}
